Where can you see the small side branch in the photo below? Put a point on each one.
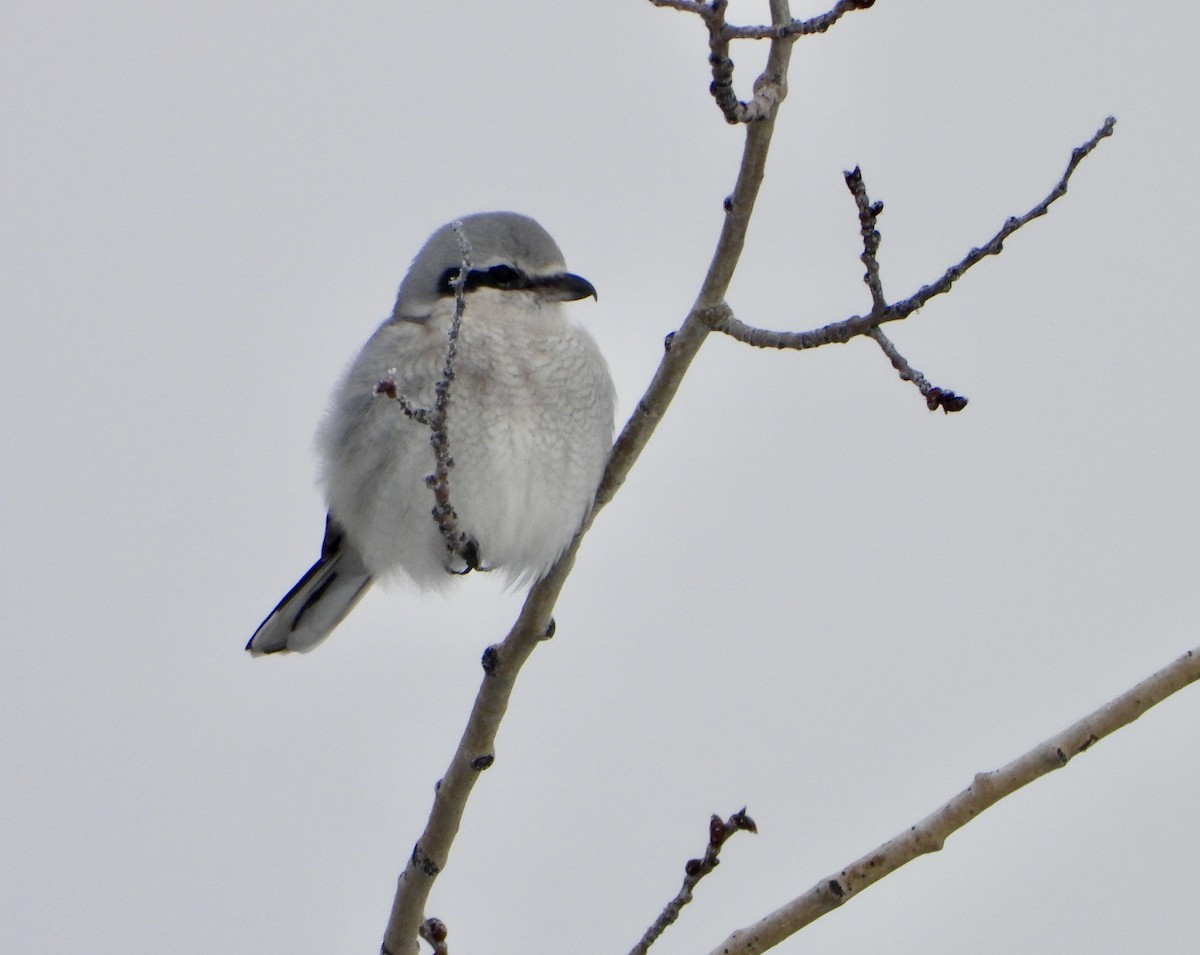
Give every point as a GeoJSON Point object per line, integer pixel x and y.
{"type": "Point", "coordinates": [695, 870]}
{"type": "Point", "coordinates": [799, 28]}
{"type": "Point", "coordinates": [995, 245]}
{"type": "Point", "coordinates": [722, 319]}
{"type": "Point", "coordinates": [935, 397]}
{"type": "Point", "coordinates": [987, 789]}
{"type": "Point", "coordinates": [868, 219]}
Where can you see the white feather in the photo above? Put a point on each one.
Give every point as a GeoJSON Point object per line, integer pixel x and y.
{"type": "Point", "coordinates": [529, 422]}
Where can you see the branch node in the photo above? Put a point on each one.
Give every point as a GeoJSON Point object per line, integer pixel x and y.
{"type": "Point", "coordinates": [490, 660]}
{"type": "Point", "coordinates": [420, 860]}
{"type": "Point", "coordinates": [714, 316]}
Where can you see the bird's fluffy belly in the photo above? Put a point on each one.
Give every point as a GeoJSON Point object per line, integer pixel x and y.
{"type": "Point", "coordinates": [522, 478]}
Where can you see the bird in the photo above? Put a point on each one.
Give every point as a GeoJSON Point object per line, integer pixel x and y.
{"type": "Point", "coordinates": [528, 419]}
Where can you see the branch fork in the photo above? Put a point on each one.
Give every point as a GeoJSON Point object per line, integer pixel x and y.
{"type": "Point", "coordinates": [770, 88]}
{"type": "Point", "coordinates": [721, 318]}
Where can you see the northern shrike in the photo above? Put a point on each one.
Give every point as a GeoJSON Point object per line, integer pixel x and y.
{"type": "Point", "coordinates": [529, 421]}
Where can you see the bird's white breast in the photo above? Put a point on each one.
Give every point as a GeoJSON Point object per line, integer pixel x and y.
{"type": "Point", "coordinates": [529, 423]}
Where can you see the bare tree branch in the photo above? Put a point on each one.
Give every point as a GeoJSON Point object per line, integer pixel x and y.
{"type": "Point", "coordinates": [723, 320]}
{"type": "Point", "coordinates": [868, 217]}
{"type": "Point", "coordinates": [935, 397]}
{"type": "Point", "coordinates": [694, 871]}
{"type": "Point", "coordinates": [987, 789]}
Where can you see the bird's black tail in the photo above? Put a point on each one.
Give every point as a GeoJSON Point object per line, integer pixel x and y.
{"type": "Point", "coordinates": [319, 602]}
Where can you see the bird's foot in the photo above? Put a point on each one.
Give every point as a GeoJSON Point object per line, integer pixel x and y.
{"type": "Point", "coordinates": [465, 558]}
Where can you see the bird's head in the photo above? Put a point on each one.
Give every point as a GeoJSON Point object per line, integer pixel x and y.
{"type": "Point", "coordinates": [507, 251]}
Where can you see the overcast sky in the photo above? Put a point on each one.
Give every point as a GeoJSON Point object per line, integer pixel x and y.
{"type": "Point", "coordinates": [812, 597]}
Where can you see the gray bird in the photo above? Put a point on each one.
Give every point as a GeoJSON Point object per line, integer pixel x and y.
{"type": "Point", "coordinates": [529, 421]}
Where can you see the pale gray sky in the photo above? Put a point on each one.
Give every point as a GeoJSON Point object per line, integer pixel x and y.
{"type": "Point", "coordinates": [812, 597]}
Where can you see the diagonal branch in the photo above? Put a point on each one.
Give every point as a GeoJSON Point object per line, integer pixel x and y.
{"type": "Point", "coordinates": [995, 245]}
{"type": "Point", "coordinates": [502, 662]}
{"type": "Point", "coordinates": [694, 871]}
{"type": "Point", "coordinates": [685, 343]}
{"type": "Point", "coordinates": [987, 789]}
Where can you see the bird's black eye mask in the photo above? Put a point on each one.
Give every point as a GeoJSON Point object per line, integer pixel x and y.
{"type": "Point", "coordinates": [498, 276]}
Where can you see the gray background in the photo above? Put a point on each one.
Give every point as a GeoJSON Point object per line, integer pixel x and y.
{"type": "Point", "coordinates": [813, 597]}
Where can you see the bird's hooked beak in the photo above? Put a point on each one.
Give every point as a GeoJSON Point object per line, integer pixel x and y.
{"type": "Point", "coordinates": [565, 288]}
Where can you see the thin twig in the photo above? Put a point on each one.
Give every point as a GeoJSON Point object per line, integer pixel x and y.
{"type": "Point", "coordinates": [457, 543]}
{"type": "Point", "coordinates": [868, 217]}
{"type": "Point", "coordinates": [868, 220]}
{"type": "Point", "coordinates": [694, 871]}
{"type": "Point", "coordinates": [930, 834]}
{"type": "Point", "coordinates": [799, 28]}
{"type": "Point", "coordinates": [995, 245]}
{"type": "Point", "coordinates": [388, 389]}
{"type": "Point", "coordinates": [935, 397]}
